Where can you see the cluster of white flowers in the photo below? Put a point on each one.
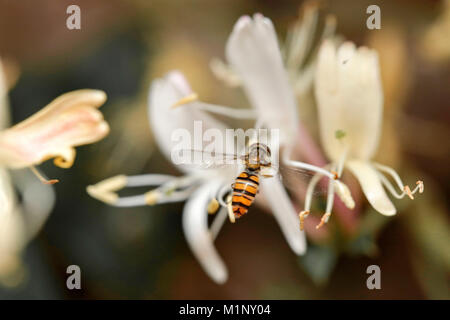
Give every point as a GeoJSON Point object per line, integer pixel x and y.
{"type": "Point", "coordinates": [350, 101]}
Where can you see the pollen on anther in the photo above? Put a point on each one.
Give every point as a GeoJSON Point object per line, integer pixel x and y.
{"type": "Point", "coordinates": [188, 99]}
{"type": "Point", "coordinates": [152, 197]}
{"type": "Point", "coordinates": [213, 206]}
{"type": "Point", "coordinates": [302, 215]}
{"type": "Point", "coordinates": [420, 184]}
{"type": "Point", "coordinates": [323, 220]}
{"type": "Point", "coordinates": [408, 192]}
{"type": "Point", "coordinates": [336, 175]}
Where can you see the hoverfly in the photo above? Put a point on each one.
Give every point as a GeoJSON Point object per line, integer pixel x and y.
{"type": "Point", "coordinates": [257, 163]}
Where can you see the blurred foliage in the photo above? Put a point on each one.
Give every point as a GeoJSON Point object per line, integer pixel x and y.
{"type": "Point", "coordinates": [319, 262]}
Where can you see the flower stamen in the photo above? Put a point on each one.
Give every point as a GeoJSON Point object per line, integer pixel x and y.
{"type": "Point", "coordinates": [407, 190]}
{"type": "Point", "coordinates": [187, 99]}
{"type": "Point", "coordinates": [309, 167]}
{"type": "Point", "coordinates": [336, 175]}
{"type": "Point", "coordinates": [330, 202]}
{"type": "Point", "coordinates": [217, 109]}
{"type": "Point", "coordinates": [169, 189]}
{"type": "Point", "coordinates": [419, 183]}
{"type": "Point", "coordinates": [213, 206]}
{"type": "Point", "coordinates": [224, 73]}
{"type": "Point", "coordinates": [152, 197]}
{"type": "Point", "coordinates": [230, 210]}
{"type": "Point", "coordinates": [342, 160]}
{"type": "Point", "coordinates": [105, 190]}
{"type": "Point", "coordinates": [302, 215]}
{"type": "Point", "coordinates": [41, 177]}
{"type": "Point", "coordinates": [309, 193]}
{"type": "Point", "coordinates": [323, 220]}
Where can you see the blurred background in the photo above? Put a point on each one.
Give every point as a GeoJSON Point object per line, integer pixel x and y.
{"type": "Point", "coordinates": [140, 253]}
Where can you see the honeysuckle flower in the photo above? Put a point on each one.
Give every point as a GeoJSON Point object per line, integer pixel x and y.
{"type": "Point", "coordinates": [296, 48]}
{"type": "Point", "coordinates": [19, 221]}
{"type": "Point", "coordinates": [299, 54]}
{"type": "Point", "coordinates": [350, 104]}
{"type": "Point", "coordinates": [254, 56]}
{"type": "Point", "coordinates": [65, 123]}
{"type": "Point", "coordinates": [299, 44]}
{"type": "Point", "coordinates": [198, 186]}
{"type": "Point", "coordinates": [70, 120]}
{"type": "Point", "coordinates": [253, 53]}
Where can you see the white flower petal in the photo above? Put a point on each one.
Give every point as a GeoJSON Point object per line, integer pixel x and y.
{"type": "Point", "coordinates": [12, 231]}
{"type": "Point", "coordinates": [253, 52]}
{"type": "Point", "coordinates": [38, 201]}
{"type": "Point", "coordinates": [371, 186]}
{"type": "Point", "coordinates": [284, 213]}
{"type": "Point", "coordinates": [164, 119]}
{"type": "Point", "coordinates": [195, 225]}
{"type": "Point", "coordinates": [350, 98]}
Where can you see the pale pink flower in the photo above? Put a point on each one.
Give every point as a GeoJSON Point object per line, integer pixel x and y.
{"type": "Point", "coordinates": [69, 121]}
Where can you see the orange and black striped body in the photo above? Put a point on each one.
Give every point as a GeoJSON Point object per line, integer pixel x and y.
{"type": "Point", "coordinates": [245, 189]}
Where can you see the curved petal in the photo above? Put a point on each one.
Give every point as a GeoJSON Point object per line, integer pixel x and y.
{"type": "Point", "coordinates": [38, 200]}
{"type": "Point", "coordinates": [68, 121]}
{"type": "Point", "coordinates": [253, 52]}
{"type": "Point", "coordinates": [284, 213]}
{"type": "Point", "coordinates": [165, 120]}
{"type": "Point", "coordinates": [12, 233]}
{"type": "Point", "coordinates": [350, 98]}
{"type": "Point", "coordinates": [195, 225]}
{"type": "Point", "coordinates": [372, 187]}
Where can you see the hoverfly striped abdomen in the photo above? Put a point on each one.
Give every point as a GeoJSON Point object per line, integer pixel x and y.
{"type": "Point", "coordinates": [245, 189]}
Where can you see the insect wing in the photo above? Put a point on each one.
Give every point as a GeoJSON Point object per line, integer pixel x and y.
{"type": "Point", "coordinates": [297, 180]}
{"type": "Point", "coordinates": [208, 160]}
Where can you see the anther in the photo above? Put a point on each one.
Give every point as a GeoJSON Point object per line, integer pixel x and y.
{"type": "Point", "coordinates": [188, 99]}
{"type": "Point", "coordinates": [408, 192]}
{"type": "Point", "coordinates": [230, 210]}
{"type": "Point", "coordinates": [213, 206]}
{"type": "Point", "coordinates": [302, 215]}
{"type": "Point", "coordinates": [335, 174]}
{"type": "Point", "coordinates": [152, 197]}
{"type": "Point", "coordinates": [102, 195]}
{"type": "Point", "coordinates": [324, 220]}
{"type": "Point", "coordinates": [41, 178]}
{"type": "Point", "coordinates": [420, 184]}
